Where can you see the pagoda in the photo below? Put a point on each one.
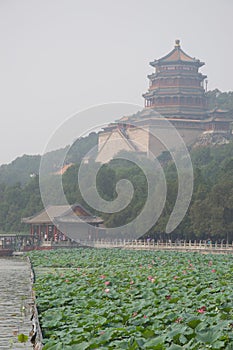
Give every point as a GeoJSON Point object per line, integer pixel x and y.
{"type": "Point", "coordinates": [176, 93]}
{"type": "Point", "coordinates": [177, 87]}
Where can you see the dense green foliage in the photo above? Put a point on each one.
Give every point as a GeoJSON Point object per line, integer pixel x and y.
{"type": "Point", "coordinates": [19, 170]}
{"type": "Point", "coordinates": [114, 299]}
{"type": "Point", "coordinates": [17, 202]}
{"type": "Point", "coordinates": [210, 214]}
{"type": "Point", "coordinates": [222, 100]}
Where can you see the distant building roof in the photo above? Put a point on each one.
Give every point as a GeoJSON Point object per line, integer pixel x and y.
{"type": "Point", "coordinates": [63, 213]}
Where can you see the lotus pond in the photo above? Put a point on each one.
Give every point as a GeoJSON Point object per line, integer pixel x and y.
{"type": "Point", "coordinates": [118, 299]}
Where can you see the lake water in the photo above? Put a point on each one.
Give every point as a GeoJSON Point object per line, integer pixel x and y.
{"type": "Point", "coordinates": [15, 303]}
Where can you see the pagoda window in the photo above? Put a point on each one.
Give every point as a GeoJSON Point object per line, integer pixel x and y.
{"type": "Point", "coordinates": [182, 81]}
{"type": "Point", "coordinates": [167, 100]}
{"type": "Point", "coordinates": [175, 100]}
{"type": "Point", "coordinates": [170, 67]}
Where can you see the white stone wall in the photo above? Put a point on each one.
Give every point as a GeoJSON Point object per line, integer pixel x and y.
{"type": "Point", "coordinates": [140, 139]}
{"type": "Point", "coordinates": [110, 144]}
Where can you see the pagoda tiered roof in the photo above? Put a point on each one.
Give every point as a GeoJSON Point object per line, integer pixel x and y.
{"type": "Point", "coordinates": [177, 55]}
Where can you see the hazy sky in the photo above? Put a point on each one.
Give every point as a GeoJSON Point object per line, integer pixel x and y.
{"type": "Point", "coordinates": [61, 56]}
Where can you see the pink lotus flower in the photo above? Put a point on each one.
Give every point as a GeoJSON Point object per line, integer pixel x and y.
{"type": "Point", "coordinates": [179, 320]}
{"type": "Point", "coordinates": [201, 310]}
{"type": "Point", "coordinates": [175, 277]}
{"type": "Point", "coordinates": [102, 277]}
{"type": "Point", "coordinates": [210, 263]}
{"type": "Point", "coordinates": [135, 314]}
{"type": "Point", "coordinates": [144, 316]}
{"type": "Point", "coordinates": [213, 270]}
{"type": "Point", "coordinates": [131, 282]}
{"type": "Point", "coordinates": [107, 283]}
{"type": "Point", "coordinates": [107, 290]}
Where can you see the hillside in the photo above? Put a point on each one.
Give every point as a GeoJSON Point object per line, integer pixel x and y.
{"type": "Point", "coordinates": [20, 170]}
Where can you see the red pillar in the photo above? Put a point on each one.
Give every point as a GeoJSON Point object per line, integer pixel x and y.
{"type": "Point", "coordinates": [55, 233]}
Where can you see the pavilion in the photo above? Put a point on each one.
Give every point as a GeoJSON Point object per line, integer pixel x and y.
{"type": "Point", "coordinates": [59, 222]}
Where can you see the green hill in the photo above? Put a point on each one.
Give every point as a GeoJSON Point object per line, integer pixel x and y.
{"type": "Point", "coordinates": [210, 214]}
{"type": "Point", "coordinates": [22, 168]}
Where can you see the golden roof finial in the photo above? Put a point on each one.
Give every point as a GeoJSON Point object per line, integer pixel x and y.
{"type": "Point", "coordinates": [177, 43]}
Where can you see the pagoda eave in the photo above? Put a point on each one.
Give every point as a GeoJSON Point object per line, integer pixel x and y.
{"type": "Point", "coordinates": [156, 63]}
